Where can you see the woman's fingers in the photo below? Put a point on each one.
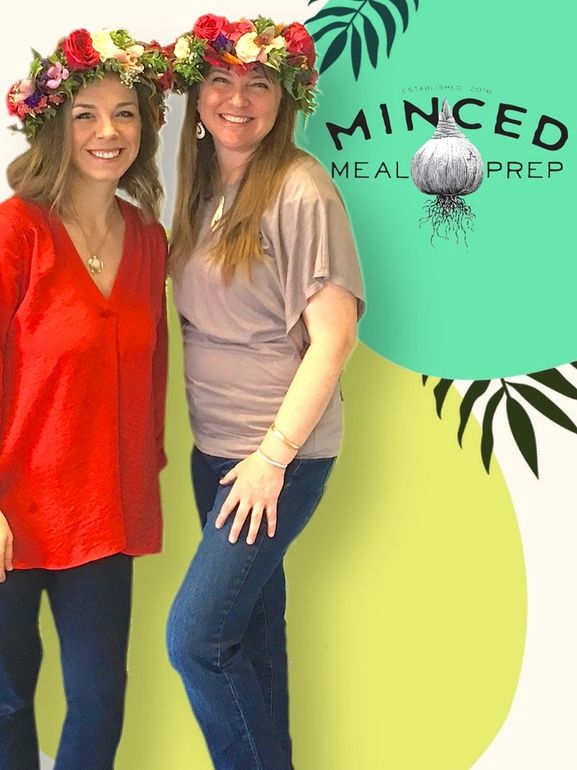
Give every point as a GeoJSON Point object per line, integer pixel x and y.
{"type": "Point", "coordinates": [241, 515]}
{"type": "Point", "coordinates": [271, 520]}
{"type": "Point", "coordinates": [226, 509]}
{"type": "Point", "coordinates": [255, 522]}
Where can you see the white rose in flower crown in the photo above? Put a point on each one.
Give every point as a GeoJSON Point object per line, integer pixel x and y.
{"type": "Point", "coordinates": [276, 42]}
{"type": "Point", "coordinates": [181, 48]}
{"type": "Point", "coordinates": [246, 49]}
{"type": "Point", "coordinates": [135, 51]}
{"type": "Point", "coordinates": [104, 45]}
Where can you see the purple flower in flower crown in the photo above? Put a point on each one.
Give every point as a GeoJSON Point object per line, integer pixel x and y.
{"type": "Point", "coordinates": [34, 99]}
{"type": "Point", "coordinates": [222, 43]}
{"type": "Point", "coordinates": [56, 74]}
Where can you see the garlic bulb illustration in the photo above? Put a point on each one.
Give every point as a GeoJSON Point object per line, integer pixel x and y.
{"type": "Point", "coordinates": [447, 166]}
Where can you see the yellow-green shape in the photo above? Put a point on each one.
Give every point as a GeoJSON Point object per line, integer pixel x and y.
{"type": "Point", "coordinates": [407, 602]}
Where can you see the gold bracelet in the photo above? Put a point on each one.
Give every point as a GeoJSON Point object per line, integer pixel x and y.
{"type": "Point", "coordinates": [269, 460]}
{"type": "Point", "coordinates": [281, 437]}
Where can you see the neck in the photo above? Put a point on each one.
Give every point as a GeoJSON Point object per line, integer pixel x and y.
{"type": "Point", "coordinates": [231, 167]}
{"type": "Point", "coordinates": [92, 204]}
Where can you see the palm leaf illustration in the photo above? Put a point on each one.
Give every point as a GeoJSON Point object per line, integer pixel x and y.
{"type": "Point", "coordinates": [518, 418]}
{"type": "Point", "coordinates": [357, 22]}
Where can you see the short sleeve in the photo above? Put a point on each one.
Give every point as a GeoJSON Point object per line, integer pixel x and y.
{"type": "Point", "coordinates": [309, 233]}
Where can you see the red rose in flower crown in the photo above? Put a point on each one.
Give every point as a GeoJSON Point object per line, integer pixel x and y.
{"type": "Point", "coordinates": [209, 26]}
{"type": "Point", "coordinates": [79, 51]}
{"type": "Point", "coordinates": [244, 44]}
{"type": "Point", "coordinates": [236, 29]}
{"type": "Point", "coordinates": [299, 41]}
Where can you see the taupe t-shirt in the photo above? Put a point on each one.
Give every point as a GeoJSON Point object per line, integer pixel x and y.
{"type": "Point", "coordinates": [244, 342]}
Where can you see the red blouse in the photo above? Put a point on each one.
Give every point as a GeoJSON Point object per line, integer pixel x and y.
{"type": "Point", "coordinates": [82, 391]}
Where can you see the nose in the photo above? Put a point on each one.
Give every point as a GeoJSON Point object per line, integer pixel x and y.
{"type": "Point", "coordinates": [240, 96]}
{"type": "Point", "coordinates": [106, 127]}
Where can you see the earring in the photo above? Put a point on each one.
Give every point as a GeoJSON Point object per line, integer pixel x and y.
{"type": "Point", "coordinates": [200, 130]}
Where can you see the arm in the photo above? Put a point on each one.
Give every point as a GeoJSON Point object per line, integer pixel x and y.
{"type": "Point", "coordinates": [6, 541]}
{"type": "Point", "coordinates": [12, 246]}
{"type": "Point", "coordinates": [159, 378]}
{"type": "Point", "coordinates": [331, 320]}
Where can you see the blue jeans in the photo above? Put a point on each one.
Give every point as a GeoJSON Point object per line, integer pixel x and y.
{"type": "Point", "coordinates": [226, 630]}
{"type": "Point", "coordinates": [91, 607]}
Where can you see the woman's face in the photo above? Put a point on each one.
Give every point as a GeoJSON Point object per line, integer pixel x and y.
{"type": "Point", "coordinates": [239, 110]}
{"type": "Point", "coordinates": [105, 130]}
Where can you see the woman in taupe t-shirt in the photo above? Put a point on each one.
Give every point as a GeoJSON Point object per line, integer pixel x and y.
{"type": "Point", "coordinates": [269, 291]}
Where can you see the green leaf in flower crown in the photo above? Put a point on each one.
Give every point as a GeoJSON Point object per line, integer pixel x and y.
{"type": "Point", "coordinates": [523, 433]}
{"type": "Point", "coordinates": [553, 379]}
{"type": "Point", "coordinates": [440, 390]}
{"type": "Point", "coordinates": [473, 393]}
{"type": "Point", "coordinates": [487, 428]}
{"type": "Point", "coordinates": [543, 404]}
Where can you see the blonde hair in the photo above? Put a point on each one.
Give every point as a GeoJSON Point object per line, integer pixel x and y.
{"type": "Point", "coordinates": [41, 173]}
{"type": "Point", "coordinates": [238, 244]}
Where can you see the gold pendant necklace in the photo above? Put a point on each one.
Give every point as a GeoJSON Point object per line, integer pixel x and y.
{"type": "Point", "coordinates": [217, 214]}
{"type": "Point", "coordinates": [94, 263]}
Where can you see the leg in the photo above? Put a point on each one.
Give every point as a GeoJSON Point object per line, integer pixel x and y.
{"type": "Point", "coordinates": [20, 656]}
{"type": "Point", "coordinates": [91, 606]}
{"type": "Point", "coordinates": [265, 644]}
{"type": "Point", "coordinates": [265, 640]}
{"type": "Point", "coordinates": [210, 617]}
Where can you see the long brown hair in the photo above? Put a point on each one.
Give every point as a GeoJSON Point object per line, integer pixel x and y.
{"type": "Point", "coordinates": [238, 244]}
{"type": "Point", "coordinates": [41, 173]}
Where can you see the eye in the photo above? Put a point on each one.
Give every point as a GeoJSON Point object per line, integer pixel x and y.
{"type": "Point", "coordinates": [264, 84]}
{"type": "Point", "coordinates": [82, 116]}
{"type": "Point", "coordinates": [126, 114]}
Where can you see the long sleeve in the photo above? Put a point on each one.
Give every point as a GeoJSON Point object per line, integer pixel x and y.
{"type": "Point", "coordinates": [159, 374]}
{"type": "Point", "coordinates": [15, 252]}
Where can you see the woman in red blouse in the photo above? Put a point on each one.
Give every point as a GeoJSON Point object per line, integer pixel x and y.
{"type": "Point", "coordinates": [82, 382]}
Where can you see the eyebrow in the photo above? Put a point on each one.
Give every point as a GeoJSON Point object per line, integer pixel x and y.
{"type": "Point", "coordinates": [93, 106]}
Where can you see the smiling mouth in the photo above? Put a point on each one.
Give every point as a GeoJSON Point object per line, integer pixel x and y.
{"type": "Point", "coordinates": [239, 119]}
{"type": "Point", "coordinates": [105, 154]}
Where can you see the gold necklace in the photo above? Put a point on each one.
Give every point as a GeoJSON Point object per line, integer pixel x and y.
{"type": "Point", "coordinates": [95, 263]}
{"type": "Point", "coordinates": [217, 214]}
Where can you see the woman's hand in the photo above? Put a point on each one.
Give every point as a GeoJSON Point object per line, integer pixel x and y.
{"type": "Point", "coordinates": [6, 540]}
{"type": "Point", "coordinates": [255, 491]}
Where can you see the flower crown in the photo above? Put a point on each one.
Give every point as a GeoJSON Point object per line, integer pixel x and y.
{"type": "Point", "coordinates": [244, 44]}
{"type": "Point", "coordinates": [80, 59]}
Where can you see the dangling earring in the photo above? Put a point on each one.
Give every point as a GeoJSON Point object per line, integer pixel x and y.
{"type": "Point", "coordinates": [200, 130]}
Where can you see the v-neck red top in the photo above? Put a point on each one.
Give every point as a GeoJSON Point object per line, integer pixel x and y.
{"type": "Point", "coordinates": [82, 391]}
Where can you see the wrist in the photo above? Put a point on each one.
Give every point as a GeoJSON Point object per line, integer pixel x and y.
{"type": "Point", "coordinates": [277, 451]}
{"type": "Point", "coordinates": [270, 460]}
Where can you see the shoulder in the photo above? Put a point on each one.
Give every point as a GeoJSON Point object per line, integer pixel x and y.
{"type": "Point", "coordinates": [17, 211]}
{"type": "Point", "coordinates": [306, 179]}
{"type": "Point", "coordinates": [150, 228]}
{"type": "Point", "coordinates": [21, 220]}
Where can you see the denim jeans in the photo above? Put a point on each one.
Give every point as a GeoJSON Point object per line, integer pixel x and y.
{"type": "Point", "coordinates": [91, 607]}
{"type": "Point", "coordinates": [226, 630]}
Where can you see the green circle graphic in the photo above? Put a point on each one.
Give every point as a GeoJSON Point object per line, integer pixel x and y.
{"type": "Point", "coordinates": [502, 304]}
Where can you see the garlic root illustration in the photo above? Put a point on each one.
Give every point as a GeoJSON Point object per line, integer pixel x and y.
{"type": "Point", "coordinates": [448, 166]}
